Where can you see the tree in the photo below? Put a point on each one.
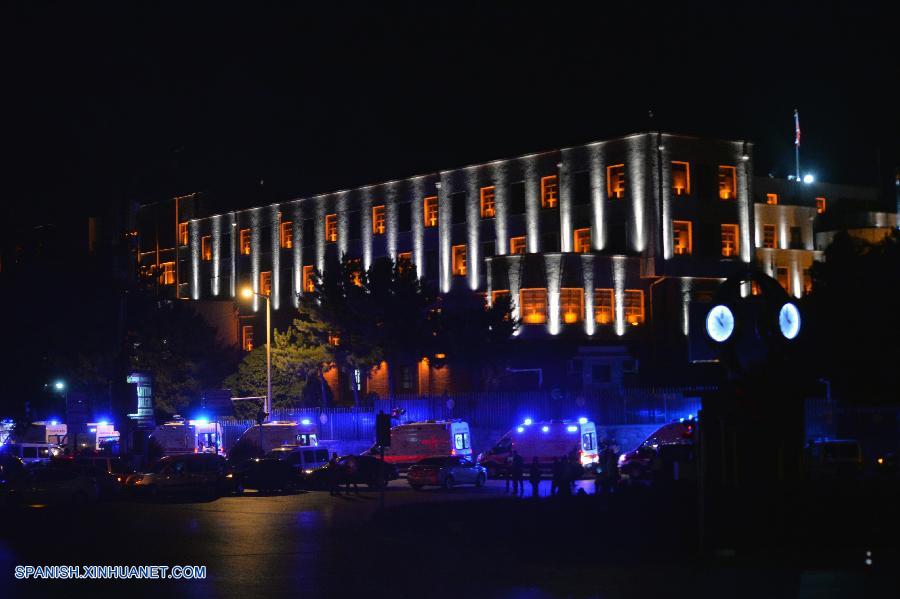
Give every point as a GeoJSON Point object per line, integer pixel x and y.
{"type": "Point", "coordinates": [853, 318]}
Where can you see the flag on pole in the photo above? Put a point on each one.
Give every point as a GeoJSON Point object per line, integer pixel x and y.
{"type": "Point", "coordinates": [796, 128]}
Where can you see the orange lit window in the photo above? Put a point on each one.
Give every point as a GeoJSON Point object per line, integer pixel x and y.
{"type": "Point", "coordinates": [245, 242]}
{"type": "Point", "coordinates": [549, 191]}
{"type": "Point", "coordinates": [404, 257]}
{"type": "Point", "coordinates": [459, 260]}
{"type": "Point", "coordinates": [488, 206]}
{"type": "Point", "coordinates": [755, 289]}
{"type": "Point", "coordinates": [334, 340]}
{"type": "Point", "coordinates": [331, 227]}
{"type": "Point", "coordinates": [355, 270]}
{"type": "Point", "coordinates": [582, 240]}
{"type": "Point", "coordinates": [768, 240]}
{"type": "Point", "coordinates": [820, 205]}
{"type": "Point", "coordinates": [681, 178]}
{"type": "Point", "coordinates": [571, 305]}
{"type": "Point", "coordinates": [309, 282]}
{"type": "Point", "coordinates": [533, 304]}
{"type": "Point", "coordinates": [517, 245]}
{"type": "Point", "coordinates": [615, 181]}
{"type": "Point", "coordinates": [378, 220]}
{"type": "Point", "coordinates": [182, 233]}
{"type": "Point", "coordinates": [247, 337]}
{"type": "Point", "coordinates": [287, 234]}
{"type": "Point", "coordinates": [807, 281]}
{"type": "Point", "coordinates": [431, 211]}
{"type": "Point", "coordinates": [727, 183]}
{"type": "Point", "coordinates": [729, 240]}
{"type": "Point", "coordinates": [681, 237]}
{"type": "Point", "coordinates": [772, 199]}
{"type": "Point", "coordinates": [603, 306]}
{"type": "Point", "coordinates": [167, 273]}
{"type": "Point", "coordinates": [206, 247]}
{"type": "Point", "coordinates": [634, 306]}
{"type": "Point", "coordinates": [497, 294]}
{"type": "Point", "coordinates": [265, 282]}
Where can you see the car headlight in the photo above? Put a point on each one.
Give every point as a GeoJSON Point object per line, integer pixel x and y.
{"type": "Point", "coordinates": [307, 472]}
{"type": "Point", "coordinates": [621, 459]}
{"type": "Point", "coordinates": [229, 475]}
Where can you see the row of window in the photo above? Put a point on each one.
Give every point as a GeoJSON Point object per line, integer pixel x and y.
{"type": "Point", "coordinates": [533, 305]}
{"type": "Point", "coordinates": [682, 239]}
{"type": "Point", "coordinates": [821, 203]}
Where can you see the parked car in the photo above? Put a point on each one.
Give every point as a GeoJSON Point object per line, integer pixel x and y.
{"type": "Point", "coordinates": [446, 472]}
{"type": "Point", "coordinates": [269, 474]}
{"type": "Point", "coordinates": [360, 469]}
{"type": "Point", "coordinates": [34, 453]}
{"type": "Point", "coordinates": [118, 468]}
{"type": "Point", "coordinates": [636, 464]}
{"type": "Point", "coordinates": [58, 484]}
{"type": "Point", "coordinates": [12, 474]}
{"type": "Point", "coordinates": [197, 474]}
{"type": "Point", "coordinates": [302, 459]}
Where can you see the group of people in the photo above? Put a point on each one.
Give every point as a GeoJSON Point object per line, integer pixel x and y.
{"type": "Point", "coordinates": [565, 471]}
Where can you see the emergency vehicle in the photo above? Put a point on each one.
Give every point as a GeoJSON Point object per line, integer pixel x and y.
{"type": "Point", "coordinates": [547, 441]}
{"type": "Point", "coordinates": [280, 433]}
{"type": "Point", "coordinates": [191, 436]}
{"type": "Point", "coordinates": [46, 431]}
{"type": "Point", "coordinates": [415, 441]}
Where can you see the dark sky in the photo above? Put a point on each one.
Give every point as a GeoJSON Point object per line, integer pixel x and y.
{"type": "Point", "coordinates": [137, 101]}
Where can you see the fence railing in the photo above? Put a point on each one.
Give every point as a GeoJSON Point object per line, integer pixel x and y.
{"type": "Point", "coordinates": [491, 411]}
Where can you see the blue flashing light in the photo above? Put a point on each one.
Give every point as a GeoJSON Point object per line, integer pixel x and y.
{"type": "Point", "coordinates": [572, 428]}
{"type": "Point", "coordinates": [582, 420]}
{"type": "Point", "coordinates": [681, 420]}
{"type": "Point", "coordinates": [544, 429]}
{"type": "Point", "coordinates": [528, 422]}
{"type": "Point", "coordinates": [201, 421]}
{"type": "Point", "coordinates": [304, 421]}
{"type": "Point", "coordinates": [690, 416]}
{"type": "Point", "coordinates": [93, 430]}
{"type": "Point", "coordinates": [54, 422]}
{"type": "Point", "coordinates": [521, 429]}
{"type": "Point", "coordinates": [103, 423]}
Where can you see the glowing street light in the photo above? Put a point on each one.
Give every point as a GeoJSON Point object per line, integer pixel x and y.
{"type": "Point", "coordinates": [248, 293]}
{"type": "Point", "coordinates": [59, 385]}
{"type": "Point", "coordinates": [808, 178]}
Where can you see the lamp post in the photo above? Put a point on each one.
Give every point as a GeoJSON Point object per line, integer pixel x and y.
{"type": "Point", "coordinates": [61, 387]}
{"type": "Point", "coordinates": [249, 293]}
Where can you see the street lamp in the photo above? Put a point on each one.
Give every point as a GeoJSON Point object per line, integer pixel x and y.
{"type": "Point", "coordinates": [249, 293]}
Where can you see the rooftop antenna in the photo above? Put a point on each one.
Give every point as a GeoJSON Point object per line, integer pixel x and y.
{"type": "Point", "coordinates": [797, 142]}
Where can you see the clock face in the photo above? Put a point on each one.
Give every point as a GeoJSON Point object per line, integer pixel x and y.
{"type": "Point", "coordinates": [720, 323]}
{"type": "Point", "coordinates": [789, 320]}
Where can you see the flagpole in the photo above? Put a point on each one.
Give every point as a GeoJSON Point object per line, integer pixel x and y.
{"type": "Point", "coordinates": [797, 141]}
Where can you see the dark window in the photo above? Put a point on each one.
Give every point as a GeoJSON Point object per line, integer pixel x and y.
{"type": "Point", "coordinates": [550, 242]}
{"type": "Point", "coordinates": [615, 237]}
{"type": "Point", "coordinates": [309, 232]}
{"type": "Point", "coordinates": [354, 223]}
{"type": "Point", "coordinates": [458, 207]}
{"type": "Point", "coordinates": [601, 373]}
{"type": "Point", "coordinates": [581, 187]}
{"type": "Point", "coordinates": [796, 238]}
{"type": "Point", "coordinates": [488, 249]}
{"type": "Point", "coordinates": [407, 378]}
{"type": "Point", "coordinates": [404, 212]}
{"type": "Point", "coordinates": [517, 198]}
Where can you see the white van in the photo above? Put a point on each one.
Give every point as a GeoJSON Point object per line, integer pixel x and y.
{"type": "Point", "coordinates": [546, 441]}
{"type": "Point", "coordinates": [279, 433]}
{"type": "Point", "coordinates": [416, 441]}
{"type": "Point", "coordinates": [46, 431]}
{"type": "Point", "coordinates": [192, 436]}
{"type": "Point", "coordinates": [34, 453]}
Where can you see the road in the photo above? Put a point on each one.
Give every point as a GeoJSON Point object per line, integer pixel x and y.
{"type": "Point", "coordinates": [465, 542]}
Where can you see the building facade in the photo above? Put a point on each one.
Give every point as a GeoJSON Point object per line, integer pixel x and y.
{"type": "Point", "coordinates": [602, 246]}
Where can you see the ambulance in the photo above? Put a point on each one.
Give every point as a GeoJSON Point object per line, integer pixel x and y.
{"type": "Point", "coordinates": [416, 441]}
{"type": "Point", "coordinates": [281, 433]}
{"type": "Point", "coordinates": [191, 436]}
{"type": "Point", "coordinates": [546, 441]}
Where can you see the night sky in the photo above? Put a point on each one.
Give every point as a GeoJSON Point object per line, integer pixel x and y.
{"type": "Point", "coordinates": [118, 102]}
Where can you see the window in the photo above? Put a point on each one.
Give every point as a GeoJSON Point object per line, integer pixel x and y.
{"type": "Point", "coordinates": [458, 208]}
{"type": "Point", "coordinates": [796, 238]}
{"type": "Point", "coordinates": [488, 249]}
{"type": "Point", "coordinates": [634, 306]}
{"type": "Point", "coordinates": [772, 199]}
{"type": "Point", "coordinates": [587, 441]}
{"type": "Point", "coordinates": [287, 234]}
{"type": "Point", "coordinates": [431, 211]}
{"type": "Point", "coordinates": [309, 282]}
{"type": "Point", "coordinates": [459, 260]}
{"type": "Point", "coordinates": [820, 205]}
{"type": "Point", "coordinates": [488, 206]}
{"type": "Point", "coordinates": [245, 242]}
{"type": "Point", "coordinates": [517, 245]}
{"type": "Point", "coordinates": [247, 337]}
{"type": "Point", "coordinates": [206, 247]}
{"type": "Point", "coordinates": [265, 283]}
{"type": "Point", "coordinates": [550, 242]}
{"type": "Point", "coordinates": [461, 441]}
{"type": "Point", "coordinates": [571, 305]}
{"type": "Point", "coordinates": [404, 216]}
{"type": "Point", "coordinates": [331, 227]}
{"type": "Point", "coordinates": [781, 275]}
{"type": "Point", "coordinates": [378, 220]}
{"type": "Point", "coordinates": [581, 188]}
{"type": "Point", "coordinates": [601, 373]}
{"type": "Point", "coordinates": [768, 240]}
{"type": "Point", "coordinates": [681, 237]}
{"type": "Point", "coordinates": [182, 233]}
{"type": "Point", "coordinates": [533, 304]}
{"type": "Point", "coordinates": [729, 241]}
{"type": "Point", "coordinates": [167, 273]}
{"type": "Point", "coordinates": [497, 294]}
{"type": "Point", "coordinates": [549, 191]}
{"type": "Point", "coordinates": [615, 181]}
{"type": "Point", "coordinates": [807, 281]}
{"type": "Point", "coordinates": [582, 240]}
{"type": "Point", "coordinates": [681, 178]}
{"type": "Point", "coordinates": [405, 257]}
{"type": "Point", "coordinates": [727, 184]}
{"type": "Point", "coordinates": [603, 306]}
{"type": "Point", "coordinates": [517, 198]}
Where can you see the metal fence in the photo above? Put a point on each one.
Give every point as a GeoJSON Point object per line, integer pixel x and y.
{"type": "Point", "coordinates": [492, 410]}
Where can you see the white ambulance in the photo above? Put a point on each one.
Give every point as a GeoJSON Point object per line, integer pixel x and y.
{"type": "Point", "coordinates": [546, 441]}
{"type": "Point", "coordinates": [191, 436]}
{"type": "Point", "coordinates": [281, 433]}
{"type": "Point", "coordinates": [416, 441]}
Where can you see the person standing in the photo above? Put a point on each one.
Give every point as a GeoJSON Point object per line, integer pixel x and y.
{"type": "Point", "coordinates": [518, 471]}
{"type": "Point", "coordinates": [534, 476]}
{"type": "Point", "coordinates": [333, 482]}
{"type": "Point", "coordinates": [507, 470]}
{"type": "Point", "coordinates": [565, 476]}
